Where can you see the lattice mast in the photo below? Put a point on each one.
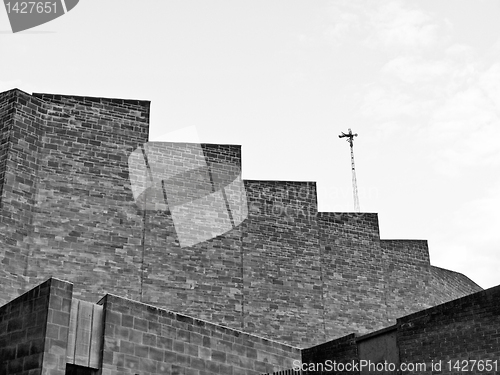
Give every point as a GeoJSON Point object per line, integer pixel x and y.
{"type": "Point", "coordinates": [350, 136]}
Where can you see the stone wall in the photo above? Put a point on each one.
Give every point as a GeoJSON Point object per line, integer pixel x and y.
{"type": "Point", "coordinates": [446, 285]}
{"type": "Point", "coordinates": [37, 338]}
{"type": "Point", "coordinates": [21, 146]}
{"type": "Point", "coordinates": [177, 230]}
{"type": "Point", "coordinates": [34, 331]}
{"type": "Point", "coordinates": [463, 330]}
{"type": "Point", "coordinates": [408, 282]}
{"type": "Point", "coordinates": [87, 228]}
{"type": "Point", "coordinates": [65, 202]}
{"type": "Point", "coordinates": [283, 291]}
{"type": "Point", "coordinates": [324, 358]}
{"type": "Point", "coordinates": [6, 117]}
{"type": "Point", "coordinates": [144, 339]}
{"type": "Point", "coordinates": [353, 273]}
{"type": "Point", "coordinates": [185, 269]}
{"type": "Point", "coordinates": [456, 337]}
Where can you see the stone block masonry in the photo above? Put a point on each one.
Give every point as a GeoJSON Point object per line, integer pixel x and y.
{"type": "Point", "coordinates": [286, 272]}
{"type": "Point", "coordinates": [354, 273]}
{"type": "Point", "coordinates": [144, 339]}
{"type": "Point", "coordinates": [343, 350]}
{"type": "Point", "coordinates": [204, 279]}
{"type": "Point", "coordinates": [66, 179]}
{"type": "Point", "coordinates": [48, 332]}
{"type": "Point", "coordinates": [282, 275]}
{"type": "Point", "coordinates": [38, 336]}
{"type": "Point", "coordinates": [34, 330]}
{"type": "Point", "coordinates": [19, 155]}
{"type": "Point", "coordinates": [457, 337]}
{"type": "Point", "coordinates": [461, 335]}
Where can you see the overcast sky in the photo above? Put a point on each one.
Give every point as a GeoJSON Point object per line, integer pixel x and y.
{"type": "Point", "coordinates": [419, 81]}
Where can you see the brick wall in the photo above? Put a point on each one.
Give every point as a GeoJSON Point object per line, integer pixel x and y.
{"type": "Point", "coordinates": [85, 228]}
{"type": "Point", "coordinates": [6, 117]}
{"type": "Point", "coordinates": [35, 338]}
{"type": "Point", "coordinates": [34, 331]}
{"type": "Point", "coordinates": [407, 278]}
{"type": "Point", "coordinates": [353, 273]}
{"type": "Point", "coordinates": [412, 284]}
{"type": "Point", "coordinates": [447, 285]}
{"type": "Point", "coordinates": [464, 329]}
{"type": "Point", "coordinates": [143, 339]}
{"type": "Point", "coordinates": [285, 272]}
{"type": "Point", "coordinates": [10, 277]}
{"type": "Point", "coordinates": [283, 291]}
{"type": "Point", "coordinates": [183, 271]}
{"type": "Point", "coordinates": [319, 359]}
{"type": "Point", "coordinates": [21, 135]}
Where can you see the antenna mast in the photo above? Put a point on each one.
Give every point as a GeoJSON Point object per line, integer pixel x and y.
{"type": "Point", "coordinates": [349, 139]}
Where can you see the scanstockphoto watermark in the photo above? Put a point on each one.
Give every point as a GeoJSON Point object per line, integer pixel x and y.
{"type": "Point", "coordinates": [359, 366]}
{"type": "Point", "coordinates": [292, 201]}
{"type": "Point", "coordinates": [441, 366]}
{"type": "Point", "coordinates": [24, 15]}
{"type": "Point", "coordinates": [282, 201]}
{"type": "Point", "coordinates": [282, 193]}
{"type": "Point", "coordinates": [306, 192]}
{"type": "Point", "coordinates": [286, 211]}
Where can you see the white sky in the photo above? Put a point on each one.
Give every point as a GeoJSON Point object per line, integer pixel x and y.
{"type": "Point", "coordinates": [418, 80]}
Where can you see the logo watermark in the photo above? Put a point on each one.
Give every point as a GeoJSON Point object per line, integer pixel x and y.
{"type": "Point", "coordinates": [293, 202]}
{"type": "Point", "coordinates": [288, 202]}
{"type": "Point", "coordinates": [25, 15]}
{"type": "Point", "coordinates": [204, 196]}
{"type": "Point", "coordinates": [367, 366]}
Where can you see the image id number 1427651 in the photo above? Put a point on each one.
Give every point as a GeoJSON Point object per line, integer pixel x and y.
{"type": "Point", "coordinates": [26, 7]}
